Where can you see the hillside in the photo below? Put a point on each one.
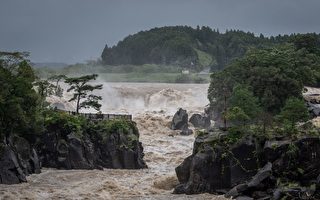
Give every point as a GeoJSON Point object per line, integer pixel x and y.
{"type": "Point", "coordinates": [186, 47]}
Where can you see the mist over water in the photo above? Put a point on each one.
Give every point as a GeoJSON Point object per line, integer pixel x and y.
{"type": "Point", "coordinates": [139, 98]}
{"type": "Point", "coordinates": [152, 106]}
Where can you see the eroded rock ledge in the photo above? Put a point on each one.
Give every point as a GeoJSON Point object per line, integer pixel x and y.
{"type": "Point", "coordinates": [252, 167]}
{"type": "Point", "coordinates": [120, 149]}
{"type": "Point", "coordinates": [67, 145]}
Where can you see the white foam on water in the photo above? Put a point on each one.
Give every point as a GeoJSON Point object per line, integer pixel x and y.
{"type": "Point", "coordinates": [152, 106]}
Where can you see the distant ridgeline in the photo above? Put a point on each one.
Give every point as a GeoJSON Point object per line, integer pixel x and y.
{"type": "Point", "coordinates": [187, 47]}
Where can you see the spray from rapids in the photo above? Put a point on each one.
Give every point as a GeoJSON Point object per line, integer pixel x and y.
{"type": "Point", "coordinates": [152, 106]}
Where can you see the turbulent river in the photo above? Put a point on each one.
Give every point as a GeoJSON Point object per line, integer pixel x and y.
{"type": "Point", "coordinates": [152, 106]}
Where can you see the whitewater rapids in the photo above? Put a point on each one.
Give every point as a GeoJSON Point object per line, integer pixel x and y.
{"type": "Point", "coordinates": [152, 106]}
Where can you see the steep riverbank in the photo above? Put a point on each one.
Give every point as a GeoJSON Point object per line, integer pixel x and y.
{"type": "Point", "coordinates": [152, 106]}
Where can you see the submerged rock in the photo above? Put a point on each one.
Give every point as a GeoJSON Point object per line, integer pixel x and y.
{"type": "Point", "coordinates": [186, 131]}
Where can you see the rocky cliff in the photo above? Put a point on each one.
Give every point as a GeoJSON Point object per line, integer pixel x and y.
{"type": "Point", "coordinates": [119, 149]}
{"type": "Point", "coordinates": [17, 160]}
{"type": "Point", "coordinates": [113, 144]}
{"type": "Point", "coordinates": [252, 167]}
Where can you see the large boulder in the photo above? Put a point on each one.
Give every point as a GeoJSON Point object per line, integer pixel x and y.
{"type": "Point", "coordinates": [180, 120]}
{"type": "Point", "coordinates": [211, 168]}
{"type": "Point", "coordinates": [313, 103]}
{"type": "Point", "coordinates": [314, 108]}
{"type": "Point", "coordinates": [200, 121]}
{"type": "Point", "coordinates": [199, 178]}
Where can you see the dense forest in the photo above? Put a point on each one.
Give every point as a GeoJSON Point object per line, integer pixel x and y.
{"type": "Point", "coordinates": [265, 144]}
{"type": "Point", "coordinates": [259, 86]}
{"type": "Point", "coordinates": [187, 47]}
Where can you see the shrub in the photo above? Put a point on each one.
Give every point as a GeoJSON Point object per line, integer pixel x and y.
{"type": "Point", "coordinates": [65, 123]}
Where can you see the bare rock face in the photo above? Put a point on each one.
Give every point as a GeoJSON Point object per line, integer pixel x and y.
{"type": "Point", "coordinates": [118, 150]}
{"type": "Point", "coordinates": [92, 147]}
{"type": "Point", "coordinates": [17, 160]}
{"type": "Point", "coordinates": [10, 169]}
{"type": "Point", "coordinates": [251, 168]}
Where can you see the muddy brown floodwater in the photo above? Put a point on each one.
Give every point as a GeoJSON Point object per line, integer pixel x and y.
{"type": "Point", "coordinates": [152, 106]}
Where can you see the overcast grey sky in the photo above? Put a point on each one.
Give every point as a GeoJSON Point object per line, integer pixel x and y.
{"type": "Point", "coordinates": [77, 30]}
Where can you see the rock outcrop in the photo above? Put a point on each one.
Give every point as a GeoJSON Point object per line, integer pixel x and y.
{"type": "Point", "coordinates": [63, 148]}
{"type": "Point", "coordinates": [117, 150]}
{"type": "Point", "coordinates": [180, 120]}
{"type": "Point", "coordinates": [313, 106]}
{"type": "Point", "coordinates": [252, 167]}
{"type": "Point", "coordinates": [200, 121]}
{"type": "Point", "coordinates": [17, 160]}
{"type": "Point", "coordinates": [312, 99]}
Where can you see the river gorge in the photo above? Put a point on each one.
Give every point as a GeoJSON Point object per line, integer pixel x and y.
{"type": "Point", "coordinates": [152, 106]}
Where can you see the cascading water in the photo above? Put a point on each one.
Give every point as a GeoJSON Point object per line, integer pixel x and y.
{"type": "Point", "coordinates": [152, 106]}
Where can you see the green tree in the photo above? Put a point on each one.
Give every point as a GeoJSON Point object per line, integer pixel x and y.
{"type": "Point", "coordinates": [18, 99]}
{"type": "Point", "coordinates": [294, 111]}
{"type": "Point", "coordinates": [58, 91]}
{"type": "Point", "coordinates": [81, 90]}
{"type": "Point", "coordinates": [44, 88]}
{"type": "Point", "coordinates": [219, 92]}
{"type": "Point", "coordinates": [273, 74]}
{"type": "Point", "coordinates": [236, 114]}
{"type": "Point", "coordinates": [180, 45]}
{"type": "Point", "coordinates": [307, 41]}
{"type": "Point", "coordinates": [244, 99]}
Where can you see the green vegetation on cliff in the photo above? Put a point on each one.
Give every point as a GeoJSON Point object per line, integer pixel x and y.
{"type": "Point", "coordinates": [18, 100]}
{"type": "Point", "coordinates": [270, 78]}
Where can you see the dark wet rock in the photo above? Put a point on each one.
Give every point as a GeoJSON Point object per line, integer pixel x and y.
{"type": "Point", "coordinates": [276, 194]}
{"type": "Point", "coordinates": [244, 198]}
{"type": "Point", "coordinates": [200, 121]}
{"type": "Point", "coordinates": [243, 161]}
{"type": "Point", "coordinates": [10, 169]}
{"type": "Point", "coordinates": [118, 151]}
{"type": "Point", "coordinates": [180, 120]}
{"type": "Point", "coordinates": [27, 156]}
{"type": "Point", "coordinates": [314, 108]}
{"type": "Point", "coordinates": [180, 189]}
{"type": "Point", "coordinates": [252, 168]}
{"type": "Point", "coordinates": [91, 147]}
{"type": "Point", "coordinates": [182, 170]}
{"type": "Point", "coordinates": [298, 192]}
{"type": "Point", "coordinates": [186, 131]}
{"type": "Point", "coordinates": [17, 160]}
{"type": "Point", "coordinates": [262, 174]}
{"type": "Point", "coordinates": [212, 168]}
{"type": "Point", "coordinates": [237, 190]}
{"type": "Point", "coordinates": [273, 148]}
